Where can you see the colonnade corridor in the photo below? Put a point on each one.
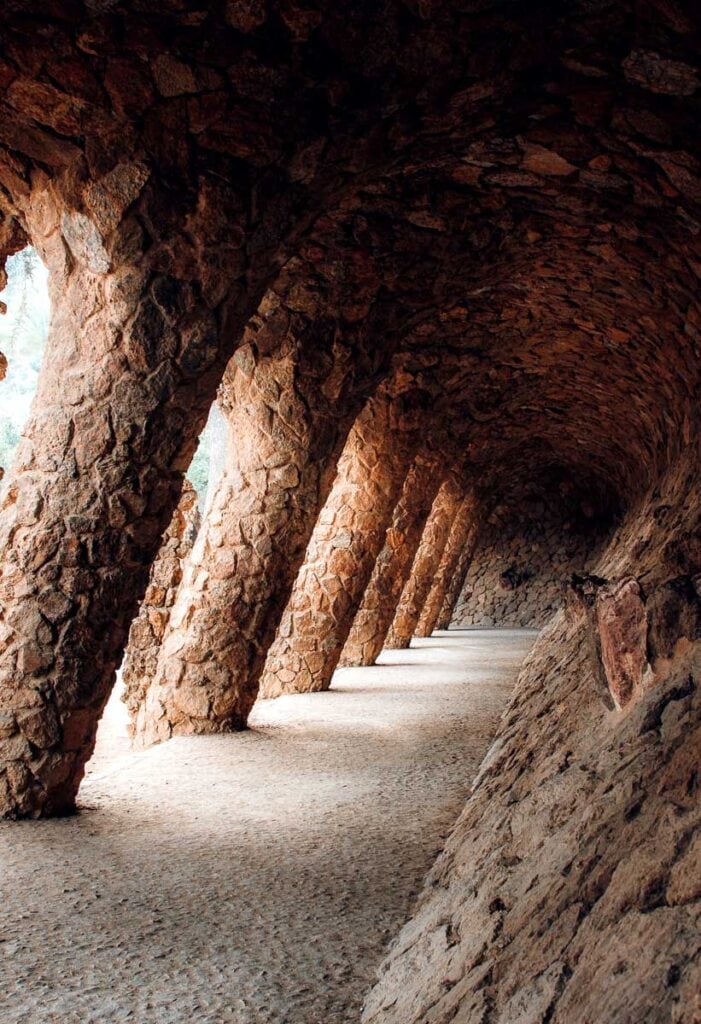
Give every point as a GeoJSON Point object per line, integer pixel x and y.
{"type": "Point", "coordinates": [253, 877]}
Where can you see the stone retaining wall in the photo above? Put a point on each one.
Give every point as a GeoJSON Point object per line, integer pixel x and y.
{"type": "Point", "coordinates": [522, 564]}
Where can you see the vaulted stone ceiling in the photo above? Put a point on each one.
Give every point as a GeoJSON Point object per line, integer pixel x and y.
{"type": "Point", "coordinates": [526, 177]}
{"type": "Point", "coordinates": [432, 256]}
{"type": "Point", "coordinates": [491, 207]}
{"type": "Point", "coordinates": [523, 175]}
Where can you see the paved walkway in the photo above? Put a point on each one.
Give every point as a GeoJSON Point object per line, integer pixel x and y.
{"type": "Point", "coordinates": [253, 878]}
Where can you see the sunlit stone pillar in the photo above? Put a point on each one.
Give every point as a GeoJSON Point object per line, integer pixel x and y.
{"type": "Point", "coordinates": [287, 417]}
{"type": "Point", "coordinates": [393, 565]}
{"type": "Point", "coordinates": [454, 588]}
{"type": "Point", "coordinates": [341, 554]}
{"type": "Point", "coordinates": [131, 366]}
{"type": "Point", "coordinates": [460, 538]}
{"type": "Point", "coordinates": [425, 566]}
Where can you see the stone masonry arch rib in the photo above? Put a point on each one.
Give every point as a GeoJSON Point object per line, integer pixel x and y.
{"type": "Point", "coordinates": [537, 186]}
{"type": "Point", "coordinates": [395, 231]}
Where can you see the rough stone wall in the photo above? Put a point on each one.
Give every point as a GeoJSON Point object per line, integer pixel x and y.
{"type": "Point", "coordinates": [522, 563]}
{"type": "Point", "coordinates": [148, 628]}
{"type": "Point", "coordinates": [518, 183]}
{"type": "Point", "coordinates": [570, 888]}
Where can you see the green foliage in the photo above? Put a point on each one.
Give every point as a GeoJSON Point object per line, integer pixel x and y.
{"type": "Point", "coordinates": [23, 332]}
{"type": "Point", "coordinates": [198, 473]}
{"type": "Point", "coordinates": [9, 439]}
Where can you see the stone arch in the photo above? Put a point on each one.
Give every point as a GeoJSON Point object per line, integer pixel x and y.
{"type": "Point", "coordinates": [104, 451]}
{"type": "Point", "coordinates": [493, 209]}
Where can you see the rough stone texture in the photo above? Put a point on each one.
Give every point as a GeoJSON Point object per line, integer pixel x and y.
{"type": "Point", "coordinates": [569, 889]}
{"type": "Point", "coordinates": [520, 184]}
{"type": "Point", "coordinates": [131, 362]}
{"type": "Point", "coordinates": [523, 563]}
{"type": "Point", "coordinates": [520, 180]}
{"type": "Point", "coordinates": [425, 564]}
{"type": "Point", "coordinates": [289, 396]}
{"type": "Point", "coordinates": [622, 626]}
{"type": "Point", "coordinates": [342, 552]}
{"type": "Point", "coordinates": [393, 565]}
{"type": "Point", "coordinates": [462, 536]}
{"type": "Point", "coordinates": [148, 628]}
{"type": "Point", "coordinates": [457, 581]}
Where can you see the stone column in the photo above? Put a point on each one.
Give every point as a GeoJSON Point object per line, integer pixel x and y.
{"type": "Point", "coordinates": [454, 588]}
{"type": "Point", "coordinates": [131, 366]}
{"type": "Point", "coordinates": [459, 539]}
{"type": "Point", "coordinates": [393, 565]}
{"type": "Point", "coordinates": [288, 412]}
{"type": "Point", "coordinates": [148, 628]}
{"type": "Point", "coordinates": [341, 554]}
{"type": "Point", "coordinates": [426, 563]}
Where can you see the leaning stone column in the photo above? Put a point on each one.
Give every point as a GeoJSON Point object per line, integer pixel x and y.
{"type": "Point", "coordinates": [454, 588]}
{"type": "Point", "coordinates": [393, 565]}
{"type": "Point", "coordinates": [459, 539]}
{"type": "Point", "coordinates": [341, 554]}
{"type": "Point", "coordinates": [131, 365]}
{"type": "Point", "coordinates": [288, 415]}
{"type": "Point", "coordinates": [425, 565]}
{"type": "Point", "coordinates": [148, 628]}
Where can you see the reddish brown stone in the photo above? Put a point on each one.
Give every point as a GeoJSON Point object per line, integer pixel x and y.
{"type": "Point", "coordinates": [342, 553]}
{"type": "Point", "coordinates": [245, 15]}
{"type": "Point", "coordinates": [286, 422]}
{"type": "Point", "coordinates": [461, 533]}
{"type": "Point", "coordinates": [544, 161]}
{"type": "Point", "coordinates": [75, 553]}
{"type": "Point", "coordinates": [148, 628]}
{"type": "Point", "coordinates": [500, 207]}
{"type": "Point", "coordinates": [375, 614]}
{"type": "Point", "coordinates": [622, 625]}
{"type": "Point", "coordinates": [457, 581]}
{"type": "Point", "coordinates": [527, 552]}
{"type": "Point", "coordinates": [570, 870]}
{"type": "Point", "coordinates": [425, 565]}
{"type": "Point", "coordinates": [659, 74]}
